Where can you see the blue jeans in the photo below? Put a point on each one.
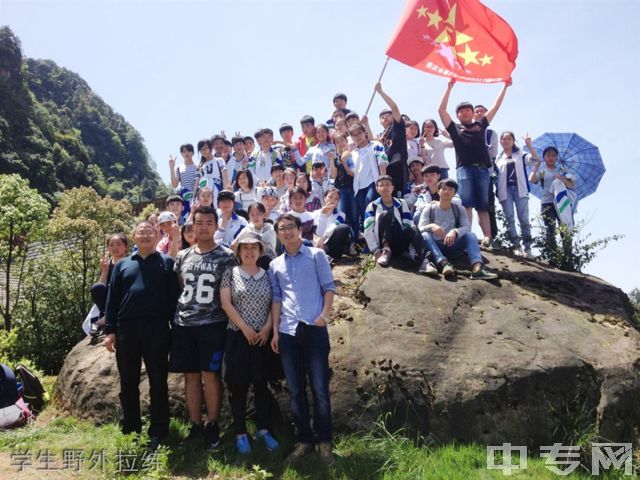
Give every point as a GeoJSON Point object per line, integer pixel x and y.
{"type": "Point", "coordinates": [364, 197]}
{"type": "Point", "coordinates": [307, 354]}
{"type": "Point", "coordinates": [349, 206]}
{"type": "Point", "coordinates": [473, 187]}
{"type": "Point", "coordinates": [440, 251]}
{"type": "Point", "coordinates": [522, 209]}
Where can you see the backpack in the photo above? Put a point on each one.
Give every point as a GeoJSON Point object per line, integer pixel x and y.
{"type": "Point", "coordinates": [34, 393]}
{"type": "Point", "coordinates": [456, 214]}
{"type": "Point", "coordinates": [14, 412]}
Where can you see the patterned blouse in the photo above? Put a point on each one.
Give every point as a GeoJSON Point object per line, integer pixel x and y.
{"type": "Point", "coordinates": [250, 295]}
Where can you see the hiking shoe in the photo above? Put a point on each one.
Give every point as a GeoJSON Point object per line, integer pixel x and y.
{"type": "Point", "coordinates": [428, 268]}
{"type": "Point", "coordinates": [195, 432]}
{"type": "Point", "coordinates": [212, 436]}
{"type": "Point", "coordinates": [154, 443]}
{"type": "Point", "coordinates": [385, 258]}
{"type": "Point", "coordinates": [94, 330]}
{"type": "Point", "coordinates": [324, 448]}
{"type": "Point", "coordinates": [481, 274]}
{"type": "Point", "coordinates": [448, 270]}
{"type": "Point", "coordinates": [242, 445]}
{"type": "Point", "coordinates": [352, 250]}
{"type": "Point", "coordinates": [299, 450]}
{"type": "Point", "coordinates": [269, 442]}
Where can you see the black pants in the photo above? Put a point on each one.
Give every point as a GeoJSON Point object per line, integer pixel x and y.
{"type": "Point", "coordinates": [550, 218]}
{"type": "Point", "coordinates": [399, 236]}
{"type": "Point", "coordinates": [339, 240]}
{"type": "Point", "coordinates": [147, 340]}
{"type": "Point", "coordinates": [247, 365]}
{"type": "Point", "coordinates": [398, 170]}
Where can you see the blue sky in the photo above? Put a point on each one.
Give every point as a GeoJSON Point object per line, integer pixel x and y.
{"type": "Point", "coordinates": [180, 71]}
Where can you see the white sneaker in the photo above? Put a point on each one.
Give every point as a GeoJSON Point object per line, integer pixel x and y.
{"type": "Point", "coordinates": [518, 252]}
{"type": "Point", "coordinates": [528, 254]}
{"type": "Point", "coordinates": [385, 258]}
{"type": "Point", "coordinates": [352, 250]}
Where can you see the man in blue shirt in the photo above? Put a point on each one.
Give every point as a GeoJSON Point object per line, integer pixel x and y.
{"type": "Point", "coordinates": [142, 298]}
{"type": "Point", "coordinates": [303, 291]}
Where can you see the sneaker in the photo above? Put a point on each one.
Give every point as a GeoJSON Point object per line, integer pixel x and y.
{"type": "Point", "coordinates": [299, 450]}
{"type": "Point", "coordinates": [269, 442]}
{"type": "Point", "coordinates": [518, 252]}
{"type": "Point", "coordinates": [195, 432]}
{"type": "Point", "coordinates": [94, 330]}
{"type": "Point", "coordinates": [154, 443]}
{"type": "Point", "coordinates": [385, 258]}
{"type": "Point", "coordinates": [428, 268]}
{"type": "Point", "coordinates": [448, 270]}
{"type": "Point", "coordinates": [212, 436]}
{"type": "Point", "coordinates": [352, 250]}
{"type": "Point", "coordinates": [486, 243]}
{"type": "Point", "coordinates": [481, 274]}
{"type": "Point", "coordinates": [242, 445]}
{"type": "Point", "coordinates": [324, 448]}
{"type": "Point", "coordinates": [528, 254]}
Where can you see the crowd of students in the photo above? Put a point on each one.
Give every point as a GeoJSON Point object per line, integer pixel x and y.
{"type": "Point", "coordinates": [237, 270]}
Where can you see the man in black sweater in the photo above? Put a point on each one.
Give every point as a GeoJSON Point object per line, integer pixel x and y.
{"type": "Point", "coordinates": [143, 293]}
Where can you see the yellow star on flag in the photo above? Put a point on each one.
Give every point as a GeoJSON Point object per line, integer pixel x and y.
{"type": "Point", "coordinates": [443, 37]}
{"type": "Point", "coordinates": [462, 38]}
{"type": "Point", "coordinates": [469, 56]}
{"type": "Point", "coordinates": [451, 20]}
{"type": "Point", "coordinates": [422, 12]}
{"type": "Point", "coordinates": [486, 59]}
{"type": "Point", "coordinates": [434, 19]}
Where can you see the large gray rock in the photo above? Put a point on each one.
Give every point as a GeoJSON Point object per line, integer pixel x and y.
{"type": "Point", "coordinates": [538, 356]}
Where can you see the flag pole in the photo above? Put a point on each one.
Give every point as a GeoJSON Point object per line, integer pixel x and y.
{"type": "Point", "coordinates": [384, 67]}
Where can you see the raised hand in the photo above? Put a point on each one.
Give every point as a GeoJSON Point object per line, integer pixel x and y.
{"type": "Point", "coordinates": [104, 263]}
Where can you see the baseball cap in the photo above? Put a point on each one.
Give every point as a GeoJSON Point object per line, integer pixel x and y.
{"type": "Point", "coordinates": [166, 217]}
{"type": "Point", "coordinates": [414, 158]}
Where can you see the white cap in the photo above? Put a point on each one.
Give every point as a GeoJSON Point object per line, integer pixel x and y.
{"type": "Point", "coordinates": [166, 217]}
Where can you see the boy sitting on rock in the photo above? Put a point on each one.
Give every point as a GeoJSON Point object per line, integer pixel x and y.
{"type": "Point", "coordinates": [446, 232]}
{"type": "Point", "coordinates": [388, 227]}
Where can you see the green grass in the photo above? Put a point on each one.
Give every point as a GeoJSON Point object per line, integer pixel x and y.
{"type": "Point", "coordinates": [377, 454]}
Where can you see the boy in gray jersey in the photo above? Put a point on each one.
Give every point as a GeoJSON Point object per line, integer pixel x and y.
{"type": "Point", "coordinates": [200, 324]}
{"type": "Point", "coordinates": [446, 232]}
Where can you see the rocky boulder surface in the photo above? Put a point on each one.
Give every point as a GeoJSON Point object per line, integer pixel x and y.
{"type": "Point", "coordinates": [535, 357]}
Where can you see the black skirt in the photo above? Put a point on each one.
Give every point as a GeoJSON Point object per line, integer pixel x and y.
{"type": "Point", "coordinates": [246, 364]}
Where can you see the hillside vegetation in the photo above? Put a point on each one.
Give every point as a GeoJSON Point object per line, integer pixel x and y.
{"type": "Point", "coordinates": [57, 133]}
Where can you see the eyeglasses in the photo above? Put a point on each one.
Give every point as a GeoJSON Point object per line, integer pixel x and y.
{"type": "Point", "coordinates": [286, 228]}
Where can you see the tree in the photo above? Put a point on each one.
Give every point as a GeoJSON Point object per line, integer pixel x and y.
{"type": "Point", "coordinates": [81, 224]}
{"type": "Point", "coordinates": [634, 296]}
{"type": "Point", "coordinates": [23, 216]}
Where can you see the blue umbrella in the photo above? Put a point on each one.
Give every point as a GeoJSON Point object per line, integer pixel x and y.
{"type": "Point", "coordinates": [578, 157]}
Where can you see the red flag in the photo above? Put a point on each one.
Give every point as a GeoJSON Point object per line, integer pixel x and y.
{"type": "Point", "coordinates": [462, 39]}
